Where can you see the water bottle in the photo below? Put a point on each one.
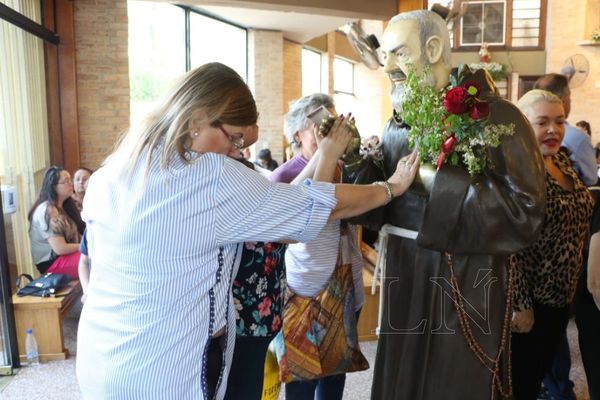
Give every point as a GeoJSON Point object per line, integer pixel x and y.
{"type": "Point", "coordinates": [31, 348]}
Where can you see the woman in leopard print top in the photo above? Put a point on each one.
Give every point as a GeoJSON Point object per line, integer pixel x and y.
{"type": "Point", "coordinates": [547, 271]}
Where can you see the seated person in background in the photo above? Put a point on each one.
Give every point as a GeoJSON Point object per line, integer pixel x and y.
{"type": "Point", "coordinates": [84, 266]}
{"type": "Point", "coordinates": [55, 223]}
{"type": "Point", "coordinates": [265, 160]}
{"type": "Point", "coordinates": [80, 180]}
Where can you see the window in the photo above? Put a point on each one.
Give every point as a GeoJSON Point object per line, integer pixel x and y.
{"type": "Point", "coordinates": [311, 72]}
{"type": "Point", "coordinates": [526, 23]}
{"type": "Point", "coordinates": [483, 22]}
{"type": "Point", "coordinates": [512, 24]}
{"type": "Point", "coordinates": [156, 53]}
{"type": "Point", "coordinates": [161, 49]}
{"type": "Point", "coordinates": [213, 40]}
{"type": "Point", "coordinates": [24, 139]}
{"type": "Point", "coordinates": [343, 76]}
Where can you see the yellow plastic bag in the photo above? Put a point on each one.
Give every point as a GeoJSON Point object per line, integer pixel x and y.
{"type": "Point", "coordinates": [271, 384]}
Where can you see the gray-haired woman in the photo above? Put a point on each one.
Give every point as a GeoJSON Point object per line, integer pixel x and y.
{"type": "Point", "coordinates": [167, 215]}
{"type": "Point", "coordinates": [309, 266]}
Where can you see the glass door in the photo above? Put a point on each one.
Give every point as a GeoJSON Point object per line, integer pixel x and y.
{"type": "Point", "coordinates": [25, 96]}
{"type": "Point", "coordinates": [9, 354]}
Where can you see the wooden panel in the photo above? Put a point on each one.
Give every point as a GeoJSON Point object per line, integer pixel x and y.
{"type": "Point", "coordinates": [410, 5]}
{"type": "Point", "coordinates": [68, 84]}
{"type": "Point", "coordinates": [52, 89]}
{"type": "Point", "coordinates": [543, 19]}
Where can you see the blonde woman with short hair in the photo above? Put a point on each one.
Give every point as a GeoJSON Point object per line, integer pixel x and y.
{"type": "Point", "coordinates": [547, 271]}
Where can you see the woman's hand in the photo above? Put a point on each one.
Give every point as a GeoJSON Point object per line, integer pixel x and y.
{"type": "Point", "coordinates": [405, 173]}
{"type": "Point", "coordinates": [593, 268]}
{"type": "Point", "coordinates": [593, 283]}
{"type": "Point", "coordinates": [334, 144]}
{"type": "Point", "coordinates": [522, 321]}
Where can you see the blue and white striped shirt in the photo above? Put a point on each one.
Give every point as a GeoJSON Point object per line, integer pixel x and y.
{"type": "Point", "coordinates": [165, 248]}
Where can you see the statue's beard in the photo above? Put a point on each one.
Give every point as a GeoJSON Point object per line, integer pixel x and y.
{"type": "Point", "coordinates": [398, 92]}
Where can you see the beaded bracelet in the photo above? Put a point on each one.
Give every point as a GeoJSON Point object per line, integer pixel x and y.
{"type": "Point", "coordinates": [388, 190]}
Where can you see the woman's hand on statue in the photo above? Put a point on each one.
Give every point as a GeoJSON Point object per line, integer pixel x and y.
{"type": "Point", "coordinates": [334, 144]}
{"type": "Point", "coordinates": [522, 321]}
{"type": "Point", "coordinates": [593, 283]}
{"type": "Point", "coordinates": [405, 173]}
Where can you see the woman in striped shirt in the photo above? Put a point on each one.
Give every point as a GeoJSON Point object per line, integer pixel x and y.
{"type": "Point", "coordinates": [167, 215]}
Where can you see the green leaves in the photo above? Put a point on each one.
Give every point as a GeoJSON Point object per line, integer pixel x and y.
{"type": "Point", "coordinates": [431, 124]}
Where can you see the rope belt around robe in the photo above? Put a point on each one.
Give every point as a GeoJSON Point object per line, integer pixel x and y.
{"type": "Point", "coordinates": [384, 233]}
{"type": "Point", "coordinates": [491, 363]}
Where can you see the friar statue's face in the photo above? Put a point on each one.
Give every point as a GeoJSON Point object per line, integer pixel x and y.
{"type": "Point", "coordinates": [401, 45]}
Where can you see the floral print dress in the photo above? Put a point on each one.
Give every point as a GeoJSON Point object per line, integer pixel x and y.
{"type": "Point", "coordinates": [258, 289]}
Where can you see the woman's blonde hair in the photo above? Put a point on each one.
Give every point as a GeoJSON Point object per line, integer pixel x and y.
{"type": "Point", "coordinates": [536, 96]}
{"type": "Point", "coordinates": [214, 89]}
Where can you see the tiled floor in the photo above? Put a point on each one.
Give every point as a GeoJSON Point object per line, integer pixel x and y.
{"type": "Point", "coordinates": [56, 379]}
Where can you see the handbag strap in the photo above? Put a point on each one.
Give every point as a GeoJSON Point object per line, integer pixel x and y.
{"type": "Point", "coordinates": [19, 279]}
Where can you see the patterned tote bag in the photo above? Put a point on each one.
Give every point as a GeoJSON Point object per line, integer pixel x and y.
{"type": "Point", "coordinates": [319, 336]}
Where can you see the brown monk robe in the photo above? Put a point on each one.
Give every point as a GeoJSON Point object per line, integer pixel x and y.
{"type": "Point", "coordinates": [423, 352]}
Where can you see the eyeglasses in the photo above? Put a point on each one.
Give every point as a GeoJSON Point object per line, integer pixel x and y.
{"type": "Point", "coordinates": [66, 182]}
{"type": "Point", "coordinates": [237, 141]}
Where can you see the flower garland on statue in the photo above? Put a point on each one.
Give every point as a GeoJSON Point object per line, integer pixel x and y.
{"type": "Point", "coordinates": [496, 70]}
{"type": "Point", "coordinates": [450, 126]}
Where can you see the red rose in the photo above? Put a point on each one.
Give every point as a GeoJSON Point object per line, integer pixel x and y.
{"type": "Point", "coordinates": [454, 100]}
{"type": "Point", "coordinates": [480, 110]}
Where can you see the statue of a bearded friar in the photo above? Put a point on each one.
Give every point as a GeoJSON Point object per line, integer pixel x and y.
{"type": "Point", "coordinates": [445, 322]}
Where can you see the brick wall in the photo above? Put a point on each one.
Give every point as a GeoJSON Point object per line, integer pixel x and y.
{"type": "Point", "coordinates": [566, 28]}
{"type": "Point", "coordinates": [292, 77]}
{"type": "Point", "coordinates": [102, 76]}
{"type": "Point", "coordinates": [292, 73]}
{"type": "Point", "coordinates": [265, 78]}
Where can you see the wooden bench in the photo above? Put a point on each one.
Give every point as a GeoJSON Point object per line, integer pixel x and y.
{"type": "Point", "coordinates": [45, 316]}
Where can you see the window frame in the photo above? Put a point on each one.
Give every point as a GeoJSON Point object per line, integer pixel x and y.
{"type": "Point", "coordinates": [337, 91]}
{"type": "Point", "coordinates": [188, 10]}
{"type": "Point", "coordinates": [456, 47]}
{"type": "Point", "coordinates": [483, 3]}
{"type": "Point", "coordinates": [320, 54]}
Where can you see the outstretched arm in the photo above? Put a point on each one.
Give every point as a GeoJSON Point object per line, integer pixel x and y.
{"type": "Point", "coordinates": [357, 199]}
